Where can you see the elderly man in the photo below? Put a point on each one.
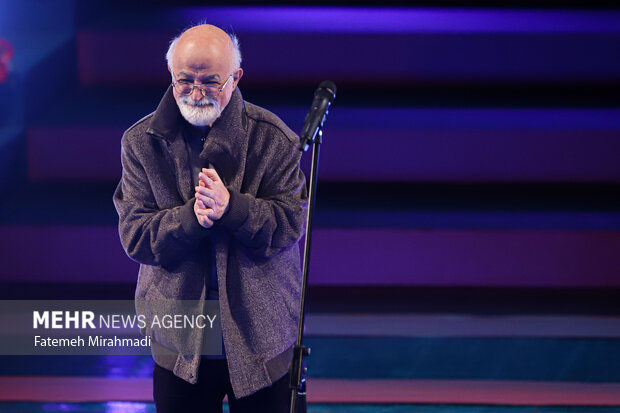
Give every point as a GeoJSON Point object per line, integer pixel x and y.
{"type": "Point", "coordinates": [211, 204]}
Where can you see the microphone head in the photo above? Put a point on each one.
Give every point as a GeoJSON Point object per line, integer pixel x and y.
{"type": "Point", "coordinates": [327, 86]}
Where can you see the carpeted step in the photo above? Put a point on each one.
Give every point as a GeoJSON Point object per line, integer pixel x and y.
{"type": "Point", "coordinates": [363, 144]}
{"type": "Point", "coordinates": [568, 359]}
{"type": "Point", "coordinates": [390, 256]}
{"type": "Point", "coordinates": [93, 395]}
{"type": "Point", "coordinates": [301, 45]}
{"type": "Point", "coordinates": [348, 205]}
{"type": "Point", "coordinates": [568, 348]}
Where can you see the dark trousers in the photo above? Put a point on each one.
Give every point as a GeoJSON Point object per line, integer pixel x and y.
{"type": "Point", "coordinates": [173, 394]}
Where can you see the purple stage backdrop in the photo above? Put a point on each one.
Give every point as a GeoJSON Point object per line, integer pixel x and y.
{"type": "Point", "coordinates": [94, 75]}
{"type": "Point", "coordinates": [537, 258]}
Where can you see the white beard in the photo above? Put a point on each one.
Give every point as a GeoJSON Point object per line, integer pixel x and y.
{"type": "Point", "coordinates": [201, 113]}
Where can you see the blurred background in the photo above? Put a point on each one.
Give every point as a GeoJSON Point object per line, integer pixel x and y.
{"type": "Point", "coordinates": [466, 251]}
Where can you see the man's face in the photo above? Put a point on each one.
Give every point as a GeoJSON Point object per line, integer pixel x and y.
{"type": "Point", "coordinates": [204, 63]}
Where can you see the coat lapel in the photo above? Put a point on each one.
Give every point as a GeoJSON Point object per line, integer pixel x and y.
{"type": "Point", "coordinates": [166, 125]}
{"type": "Point", "coordinates": [226, 144]}
{"type": "Point", "coordinates": [180, 157]}
{"type": "Point", "coordinates": [225, 148]}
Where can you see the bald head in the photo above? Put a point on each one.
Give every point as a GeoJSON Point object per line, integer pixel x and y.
{"type": "Point", "coordinates": [208, 58]}
{"type": "Point", "coordinates": [205, 41]}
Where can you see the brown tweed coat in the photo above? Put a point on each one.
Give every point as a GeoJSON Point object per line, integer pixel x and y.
{"type": "Point", "coordinates": [255, 242]}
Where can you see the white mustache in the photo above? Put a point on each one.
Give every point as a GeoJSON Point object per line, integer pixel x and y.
{"type": "Point", "coordinates": [199, 113]}
{"type": "Point", "coordinates": [205, 101]}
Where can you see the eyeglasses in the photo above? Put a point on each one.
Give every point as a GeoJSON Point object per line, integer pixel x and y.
{"type": "Point", "coordinates": [213, 90]}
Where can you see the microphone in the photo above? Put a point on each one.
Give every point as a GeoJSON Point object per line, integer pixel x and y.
{"type": "Point", "coordinates": [323, 97]}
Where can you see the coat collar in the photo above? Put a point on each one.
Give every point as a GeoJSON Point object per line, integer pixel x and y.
{"type": "Point", "coordinates": [226, 143]}
{"type": "Point", "coordinates": [167, 120]}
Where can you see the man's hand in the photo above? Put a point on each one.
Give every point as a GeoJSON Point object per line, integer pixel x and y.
{"type": "Point", "coordinates": [201, 211]}
{"type": "Point", "coordinates": [212, 195]}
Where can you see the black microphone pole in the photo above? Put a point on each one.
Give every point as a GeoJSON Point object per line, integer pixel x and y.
{"type": "Point", "coordinates": [312, 134]}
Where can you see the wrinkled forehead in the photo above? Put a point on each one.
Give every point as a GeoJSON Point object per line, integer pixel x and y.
{"type": "Point", "coordinates": [201, 54]}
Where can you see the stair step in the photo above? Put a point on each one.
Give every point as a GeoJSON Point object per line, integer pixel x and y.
{"type": "Point", "coordinates": [462, 325]}
{"type": "Point", "coordinates": [367, 144]}
{"type": "Point", "coordinates": [409, 45]}
{"type": "Point", "coordinates": [339, 395]}
{"type": "Point", "coordinates": [393, 256]}
{"type": "Point", "coordinates": [593, 360]}
{"type": "Point", "coordinates": [347, 205]}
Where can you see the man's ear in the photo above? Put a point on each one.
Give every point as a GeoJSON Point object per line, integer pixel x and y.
{"type": "Point", "coordinates": [237, 76]}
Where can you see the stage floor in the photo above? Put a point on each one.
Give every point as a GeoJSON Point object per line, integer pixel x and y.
{"type": "Point", "coordinates": [63, 390]}
{"type": "Point", "coordinates": [127, 407]}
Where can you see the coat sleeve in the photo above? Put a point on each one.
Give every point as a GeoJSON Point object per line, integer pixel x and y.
{"type": "Point", "coordinates": [274, 219]}
{"type": "Point", "coordinates": [151, 235]}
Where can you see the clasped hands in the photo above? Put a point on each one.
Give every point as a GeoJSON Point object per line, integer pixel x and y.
{"type": "Point", "coordinates": [212, 198]}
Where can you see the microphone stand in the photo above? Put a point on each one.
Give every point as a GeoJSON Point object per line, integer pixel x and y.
{"type": "Point", "coordinates": [297, 382]}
